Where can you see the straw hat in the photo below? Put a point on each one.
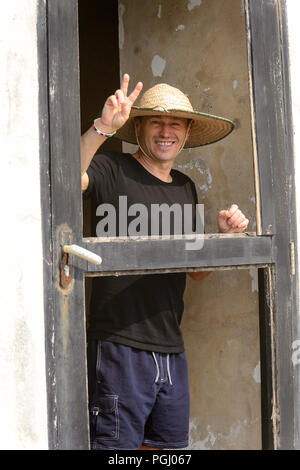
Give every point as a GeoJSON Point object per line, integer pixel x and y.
{"type": "Point", "coordinates": [165, 99]}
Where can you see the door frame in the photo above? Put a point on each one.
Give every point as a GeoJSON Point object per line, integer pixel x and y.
{"type": "Point", "coordinates": [273, 250]}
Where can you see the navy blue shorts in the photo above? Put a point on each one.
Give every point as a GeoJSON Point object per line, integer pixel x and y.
{"type": "Point", "coordinates": [137, 397]}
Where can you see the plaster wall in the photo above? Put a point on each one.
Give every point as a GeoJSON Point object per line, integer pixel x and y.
{"type": "Point", "coordinates": [199, 46]}
{"type": "Point", "coordinates": [23, 404]}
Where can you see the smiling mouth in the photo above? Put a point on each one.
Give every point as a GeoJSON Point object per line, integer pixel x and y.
{"type": "Point", "coordinates": [165, 143]}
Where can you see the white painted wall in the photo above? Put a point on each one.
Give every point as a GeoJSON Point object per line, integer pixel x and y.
{"type": "Point", "coordinates": [23, 408]}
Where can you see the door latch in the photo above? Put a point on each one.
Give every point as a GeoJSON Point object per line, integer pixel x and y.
{"type": "Point", "coordinates": [66, 248]}
{"type": "Point", "coordinates": [66, 269]}
{"type": "Point", "coordinates": [82, 253]}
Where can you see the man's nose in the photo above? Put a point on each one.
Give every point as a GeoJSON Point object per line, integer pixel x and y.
{"type": "Point", "coordinates": [165, 130]}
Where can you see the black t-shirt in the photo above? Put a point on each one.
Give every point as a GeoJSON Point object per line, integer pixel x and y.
{"type": "Point", "coordinates": [142, 311]}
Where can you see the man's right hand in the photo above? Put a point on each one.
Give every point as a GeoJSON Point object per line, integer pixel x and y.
{"type": "Point", "coordinates": [117, 107]}
{"type": "Point", "coordinates": [115, 113]}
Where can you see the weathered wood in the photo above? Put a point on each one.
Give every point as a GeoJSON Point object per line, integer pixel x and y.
{"type": "Point", "coordinates": [268, 360]}
{"type": "Point", "coordinates": [69, 321]}
{"type": "Point", "coordinates": [152, 254]}
{"type": "Point", "coordinates": [266, 73]}
{"type": "Point", "coordinates": [46, 218]}
{"type": "Point", "coordinates": [272, 103]}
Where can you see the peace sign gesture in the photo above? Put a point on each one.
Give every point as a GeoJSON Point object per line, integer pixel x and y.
{"type": "Point", "coordinates": [117, 107]}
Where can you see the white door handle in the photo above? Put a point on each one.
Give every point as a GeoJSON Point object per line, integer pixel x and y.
{"type": "Point", "coordinates": [82, 253]}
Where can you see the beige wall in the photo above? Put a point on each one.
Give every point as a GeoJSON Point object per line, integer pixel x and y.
{"type": "Point", "coordinates": [199, 46]}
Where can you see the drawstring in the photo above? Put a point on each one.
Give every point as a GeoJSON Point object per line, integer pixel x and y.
{"type": "Point", "coordinates": [168, 369]}
{"type": "Point", "coordinates": [157, 368]}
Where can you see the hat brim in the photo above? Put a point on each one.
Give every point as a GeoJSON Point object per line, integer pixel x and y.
{"type": "Point", "coordinates": [206, 128]}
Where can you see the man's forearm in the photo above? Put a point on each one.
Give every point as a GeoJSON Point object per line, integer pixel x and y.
{"type": "Point", "coordinates": [90, 142]}
{"type": "Point", "coordinates": [198, 275]}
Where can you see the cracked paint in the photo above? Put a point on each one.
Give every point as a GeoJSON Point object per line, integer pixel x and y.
{"type": "Point", "coordinates": [198, 165]}
{"type": "Point", "coordinates": [256, 373]}
{"type": "Point", "coordinates": [193, 3]}
{"type": "Point", "coordinates": [159, 11]}
{"type": "Point", "coordinates": [158, 66]}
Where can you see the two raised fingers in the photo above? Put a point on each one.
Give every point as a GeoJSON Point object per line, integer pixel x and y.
{"type": "Point", "coordinates": [121, 94]}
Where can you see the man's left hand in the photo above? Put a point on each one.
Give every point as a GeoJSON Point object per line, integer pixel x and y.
{"type": "Point", "coordinates": [232, 220]}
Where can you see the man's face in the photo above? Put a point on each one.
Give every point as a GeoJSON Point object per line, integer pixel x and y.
{"type": "Point", "coordinates": [162, 136]}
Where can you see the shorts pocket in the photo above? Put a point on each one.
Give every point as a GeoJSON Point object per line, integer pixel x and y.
{"type": "Point", "coordinates": [104, 417]}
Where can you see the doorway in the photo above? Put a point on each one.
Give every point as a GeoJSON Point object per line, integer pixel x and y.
{"type": "Point", "coordinates": [272, 247]}
{"type": "Point", "coordinates": [201, 48]}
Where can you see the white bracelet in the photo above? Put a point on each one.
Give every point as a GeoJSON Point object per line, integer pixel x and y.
{"type": "Point", "coordinates": [102, 133]}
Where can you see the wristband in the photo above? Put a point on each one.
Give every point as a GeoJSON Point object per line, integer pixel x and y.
{"type": "Point", "coordinates": [102, 133]}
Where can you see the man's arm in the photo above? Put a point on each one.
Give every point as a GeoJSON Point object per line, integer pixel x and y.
{"type": "Point", "coordinates": [199, 275]}
{"type": "Point", "coordinates": [115, 113]}
{"type": "Point", "coordinates": [231, 220]}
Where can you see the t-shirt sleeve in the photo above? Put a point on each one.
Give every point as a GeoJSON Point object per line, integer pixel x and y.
{"type": "Point", "coordinates": [194, 192]}
{"type": "Point", "coordinates": [195, 225]}
{"type": "Point", "coordinates": [103, 175]}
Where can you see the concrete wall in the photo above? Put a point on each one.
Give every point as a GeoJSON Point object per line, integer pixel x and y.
{"type": "Point", "coordinates": [23, 407]}
{"type": "Point", "coordinates": [199, 46]}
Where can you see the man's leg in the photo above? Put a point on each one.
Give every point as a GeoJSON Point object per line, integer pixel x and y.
{"type": "Point", "coordinates": [122, 393]}
{"type": "Point", "coordinates": [168, 423]}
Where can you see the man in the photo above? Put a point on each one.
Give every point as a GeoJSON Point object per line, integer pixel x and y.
{"type": "Point", "coordinates": [138, 382]}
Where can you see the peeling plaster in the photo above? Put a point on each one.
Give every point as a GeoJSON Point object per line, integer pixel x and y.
{"type": "Point", "coordinates": [256, 373]}
{"type": "Point", "coordinates": [158, 66]}
{"type": "Point", "coordinates": [180, 27]}
{"type": "Point", "coordinates": [159, 11]}
{"type": "Point", "coordinates": [193, 3]}
{"type": "Point", "coordinates": [234, 432]}
{"type": "Point", "coordinates": [203, 444]}
{"type": "Point", "coordinates": [218, 438]}
{"type": "Point", "coordinates": [198, 165]}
